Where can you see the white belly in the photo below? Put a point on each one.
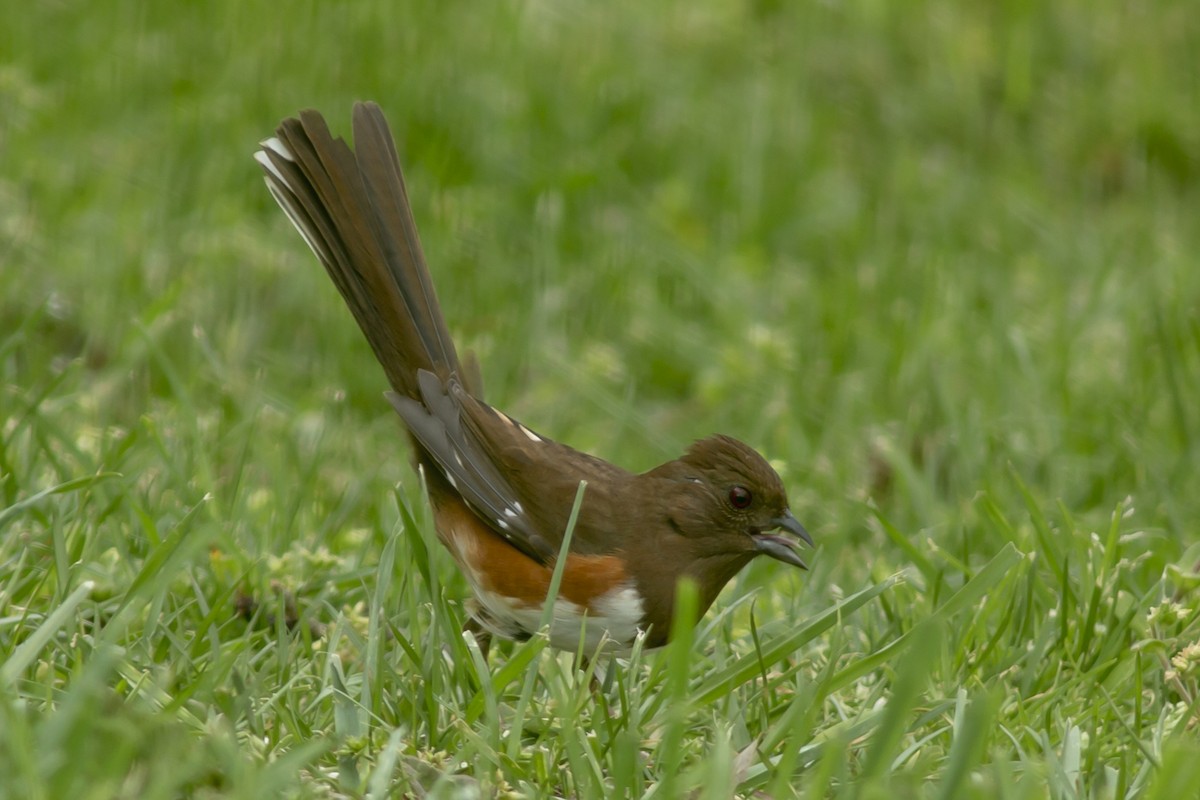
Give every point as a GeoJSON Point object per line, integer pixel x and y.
{"type": "Point", "coordinates": [617, 613]}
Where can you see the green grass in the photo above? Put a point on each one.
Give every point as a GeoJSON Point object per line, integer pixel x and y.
{"type": "Point", "coordinates": [938, 260]}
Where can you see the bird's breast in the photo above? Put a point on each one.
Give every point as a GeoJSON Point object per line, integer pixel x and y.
{"type": "Point", "coordinates": [597, 599]}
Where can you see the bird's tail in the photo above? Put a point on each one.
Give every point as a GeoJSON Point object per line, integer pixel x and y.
{"type": "Point", "coordinates": [352, 209]}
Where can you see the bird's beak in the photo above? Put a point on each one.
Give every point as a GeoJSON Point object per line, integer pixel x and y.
{"type": "Point", "coordinates": [779, 547]}
{"type": "Point", "coordinates": [792, 525]}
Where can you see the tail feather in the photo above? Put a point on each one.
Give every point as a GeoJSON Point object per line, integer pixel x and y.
{"type": "Point", "coordinates": [353, 210]}
{"type": "Point", "coordinates": [380, 167]}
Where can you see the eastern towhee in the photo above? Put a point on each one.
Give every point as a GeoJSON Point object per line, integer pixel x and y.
{"type": "Point", "coordinates": [501, 493]}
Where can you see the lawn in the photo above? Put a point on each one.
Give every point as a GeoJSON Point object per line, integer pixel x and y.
{"type": "Point", "coordinates": [938, 261]}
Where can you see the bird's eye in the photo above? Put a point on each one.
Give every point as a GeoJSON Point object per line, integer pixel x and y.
{"type": "Point", "coordinates": [740, 497]}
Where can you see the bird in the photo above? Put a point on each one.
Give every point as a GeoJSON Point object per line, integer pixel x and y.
{"type": "Point", "coordinates": [502, 494]}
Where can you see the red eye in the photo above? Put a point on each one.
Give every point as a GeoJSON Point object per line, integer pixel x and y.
{"type": "Point", "coordinates": [740, 497]}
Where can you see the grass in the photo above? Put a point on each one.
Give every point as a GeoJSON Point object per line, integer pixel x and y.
{"type": "Point", "coordinates": [938, 261]}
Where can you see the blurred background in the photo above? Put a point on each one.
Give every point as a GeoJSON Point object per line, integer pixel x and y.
{"type": "Point", "coordinates": [901, 249]}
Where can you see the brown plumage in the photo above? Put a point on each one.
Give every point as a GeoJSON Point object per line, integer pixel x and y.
{"type": "Point", "coordinates": [502, 494]}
